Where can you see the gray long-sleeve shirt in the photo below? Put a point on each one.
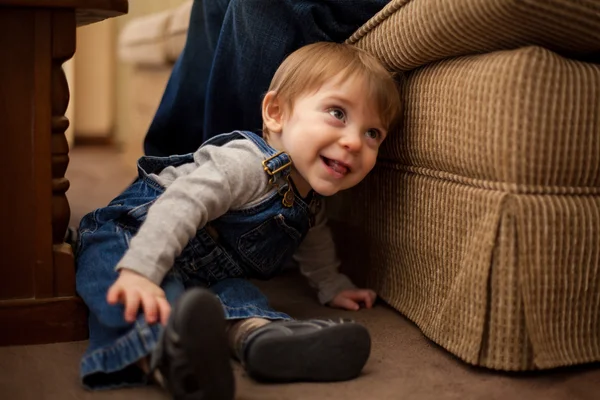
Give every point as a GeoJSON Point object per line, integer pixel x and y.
{"type": "Point", "coordinates": [221, 178]}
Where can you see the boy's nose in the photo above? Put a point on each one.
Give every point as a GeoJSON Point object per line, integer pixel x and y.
{"type": "Point", "coordinates": [351, 141]}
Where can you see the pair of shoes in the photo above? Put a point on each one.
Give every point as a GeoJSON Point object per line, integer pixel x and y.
{"type": "Point", "coordinates": [312, 350]}
{"type": "Point", "coordinates": [193, 355]}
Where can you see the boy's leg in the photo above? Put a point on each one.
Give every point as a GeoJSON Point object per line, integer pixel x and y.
{"type": "Point", "coordinates": [191, 352]}
{"type": "Point", "coordinates": [115, 345]}
{"type": "Point", "coordinates": [287, 350]}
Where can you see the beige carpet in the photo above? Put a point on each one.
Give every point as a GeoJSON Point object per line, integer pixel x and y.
{"type": "Point", "coordinates": [403, 363]}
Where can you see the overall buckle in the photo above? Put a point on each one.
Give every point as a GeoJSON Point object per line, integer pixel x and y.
{"type": "Point", "coordinates": [284, 166]}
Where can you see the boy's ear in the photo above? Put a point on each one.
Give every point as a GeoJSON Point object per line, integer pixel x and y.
{"type": "Point", "coordinates": [272, 112]}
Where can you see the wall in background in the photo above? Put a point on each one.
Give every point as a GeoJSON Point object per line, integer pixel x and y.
{"type": "Point", "coordinates": [94, 79]}
{"type": "Point", "coordinates": [69, 69]}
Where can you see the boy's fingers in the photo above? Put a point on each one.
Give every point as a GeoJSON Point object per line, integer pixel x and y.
{"type": "Point", "coordinates": [368, 300]}
{"type": "Point", "coordinates": [114, 292]}
{"type": "Point", "coordinates": [358, 295]}
{"type": "Point", "coordinates": [348, 304]}
{"type": "Point", "coordinates": [373, 297]}
{"type": "Point", "coordinates": [132, 304]}
{"type": "Point", "coordinates": [365, 296]}
{"type": "Point", "coordinates": [164, 309]}
{"type": "Point", "coordinates": [150, 308]}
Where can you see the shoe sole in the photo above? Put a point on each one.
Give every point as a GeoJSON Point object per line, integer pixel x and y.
{"type": "Point", "coordinates": [335, 353]}
{"type": "Point", "coordinates": [199, 326]}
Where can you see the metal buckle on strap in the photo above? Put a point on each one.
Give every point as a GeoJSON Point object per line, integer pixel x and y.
{"type": "Point", "coordinates": [284, 166]}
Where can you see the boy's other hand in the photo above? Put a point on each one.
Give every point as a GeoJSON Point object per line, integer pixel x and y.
{"type": "Point", "coordinates": [352, 299]}
{"type": "Point", "coordinates": [135, 290]}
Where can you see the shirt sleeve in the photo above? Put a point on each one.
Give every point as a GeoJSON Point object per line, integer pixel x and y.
{"type": "Point", "coordinates": [318, 261]}
{"type": "Point", "coordinates": [227, 177]}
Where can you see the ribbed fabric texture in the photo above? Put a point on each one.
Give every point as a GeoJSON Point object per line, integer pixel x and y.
{"type": "Point", "coordinates": [482, 218]}
{"type": "Point", "coordinates": [522, 120]}
{"type": "Point", "coordinates": [409, 33]}
{"type": "Point", "coordinates": [506, 281]}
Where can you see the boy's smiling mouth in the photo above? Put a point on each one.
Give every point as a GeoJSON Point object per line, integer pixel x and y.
{"type": "Point", "coordinates": [338, 168]}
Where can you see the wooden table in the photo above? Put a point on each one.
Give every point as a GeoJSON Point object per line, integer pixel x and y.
{"type": "Point", "coordinates": [38, 303]}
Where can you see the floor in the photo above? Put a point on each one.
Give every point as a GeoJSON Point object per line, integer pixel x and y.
{"type": "Point", "coordinates": [403, 363]}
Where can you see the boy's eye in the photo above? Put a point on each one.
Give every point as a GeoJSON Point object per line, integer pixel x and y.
{"type": "Point", "coordinates": [337, 113]}
{"type": "Point", "coordinates": [373, 134]}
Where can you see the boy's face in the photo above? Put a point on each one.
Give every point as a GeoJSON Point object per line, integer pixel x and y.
{"type": "Point", "coordinates": [332, 135]}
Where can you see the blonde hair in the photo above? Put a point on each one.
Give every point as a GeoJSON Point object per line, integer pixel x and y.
{"type": "Point", "coordinates": [309, 67]}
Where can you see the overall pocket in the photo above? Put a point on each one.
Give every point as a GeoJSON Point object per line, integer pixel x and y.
{"type": "Point", "coordinates": [203, 261]}
{"type": "Point", "coordinates": [268, 245]}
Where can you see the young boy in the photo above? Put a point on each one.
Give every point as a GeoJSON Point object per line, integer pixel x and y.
{"type": "Point", "coordinates": [240, 207]}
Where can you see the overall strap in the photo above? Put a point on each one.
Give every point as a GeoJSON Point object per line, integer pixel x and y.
{"type": "Point", "coordinates": [277, 164]}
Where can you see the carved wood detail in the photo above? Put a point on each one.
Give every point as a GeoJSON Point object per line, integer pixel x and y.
{"type": "Point", "coordinates": [63, 48]}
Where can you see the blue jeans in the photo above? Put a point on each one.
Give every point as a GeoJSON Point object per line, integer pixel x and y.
{"type": "Point", "coordinates": [232, 51]}
{"type": "Point", "coordinates": [115, 345]}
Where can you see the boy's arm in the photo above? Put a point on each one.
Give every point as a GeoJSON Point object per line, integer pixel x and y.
{"type": "Point", "coordinates": [319, 263]}
{"type": "Point", "coordinates": [227, 177]}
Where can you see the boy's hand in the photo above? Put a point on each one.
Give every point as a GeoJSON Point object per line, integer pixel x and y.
{"type": "Point", "coordinates": [131, 289]}
{"type": "Point", "coordinates": [353, 298]}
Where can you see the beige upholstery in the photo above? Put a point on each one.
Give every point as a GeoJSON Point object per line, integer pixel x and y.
{"type": "Point", "coordinates": [156, 39]}
{"type": "Point", "coordinates": [421, 31]}
{"type": "Point", "coordinates": [143, 41]}
{"type": "Point", "coordinates": [520, 121]}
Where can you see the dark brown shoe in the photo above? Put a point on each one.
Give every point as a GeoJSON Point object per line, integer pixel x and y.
{"type": "Point", "coordinates": [193, 355]}
{"type": "Point", "coordinates": [312, 350]}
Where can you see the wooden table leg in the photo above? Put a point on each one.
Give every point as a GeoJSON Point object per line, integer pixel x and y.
{"type": "Point", "coordinates": [38, 303]}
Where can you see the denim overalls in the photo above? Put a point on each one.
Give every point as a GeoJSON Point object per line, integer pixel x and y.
{"type": "Point", "coordinates": [250, 243]}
